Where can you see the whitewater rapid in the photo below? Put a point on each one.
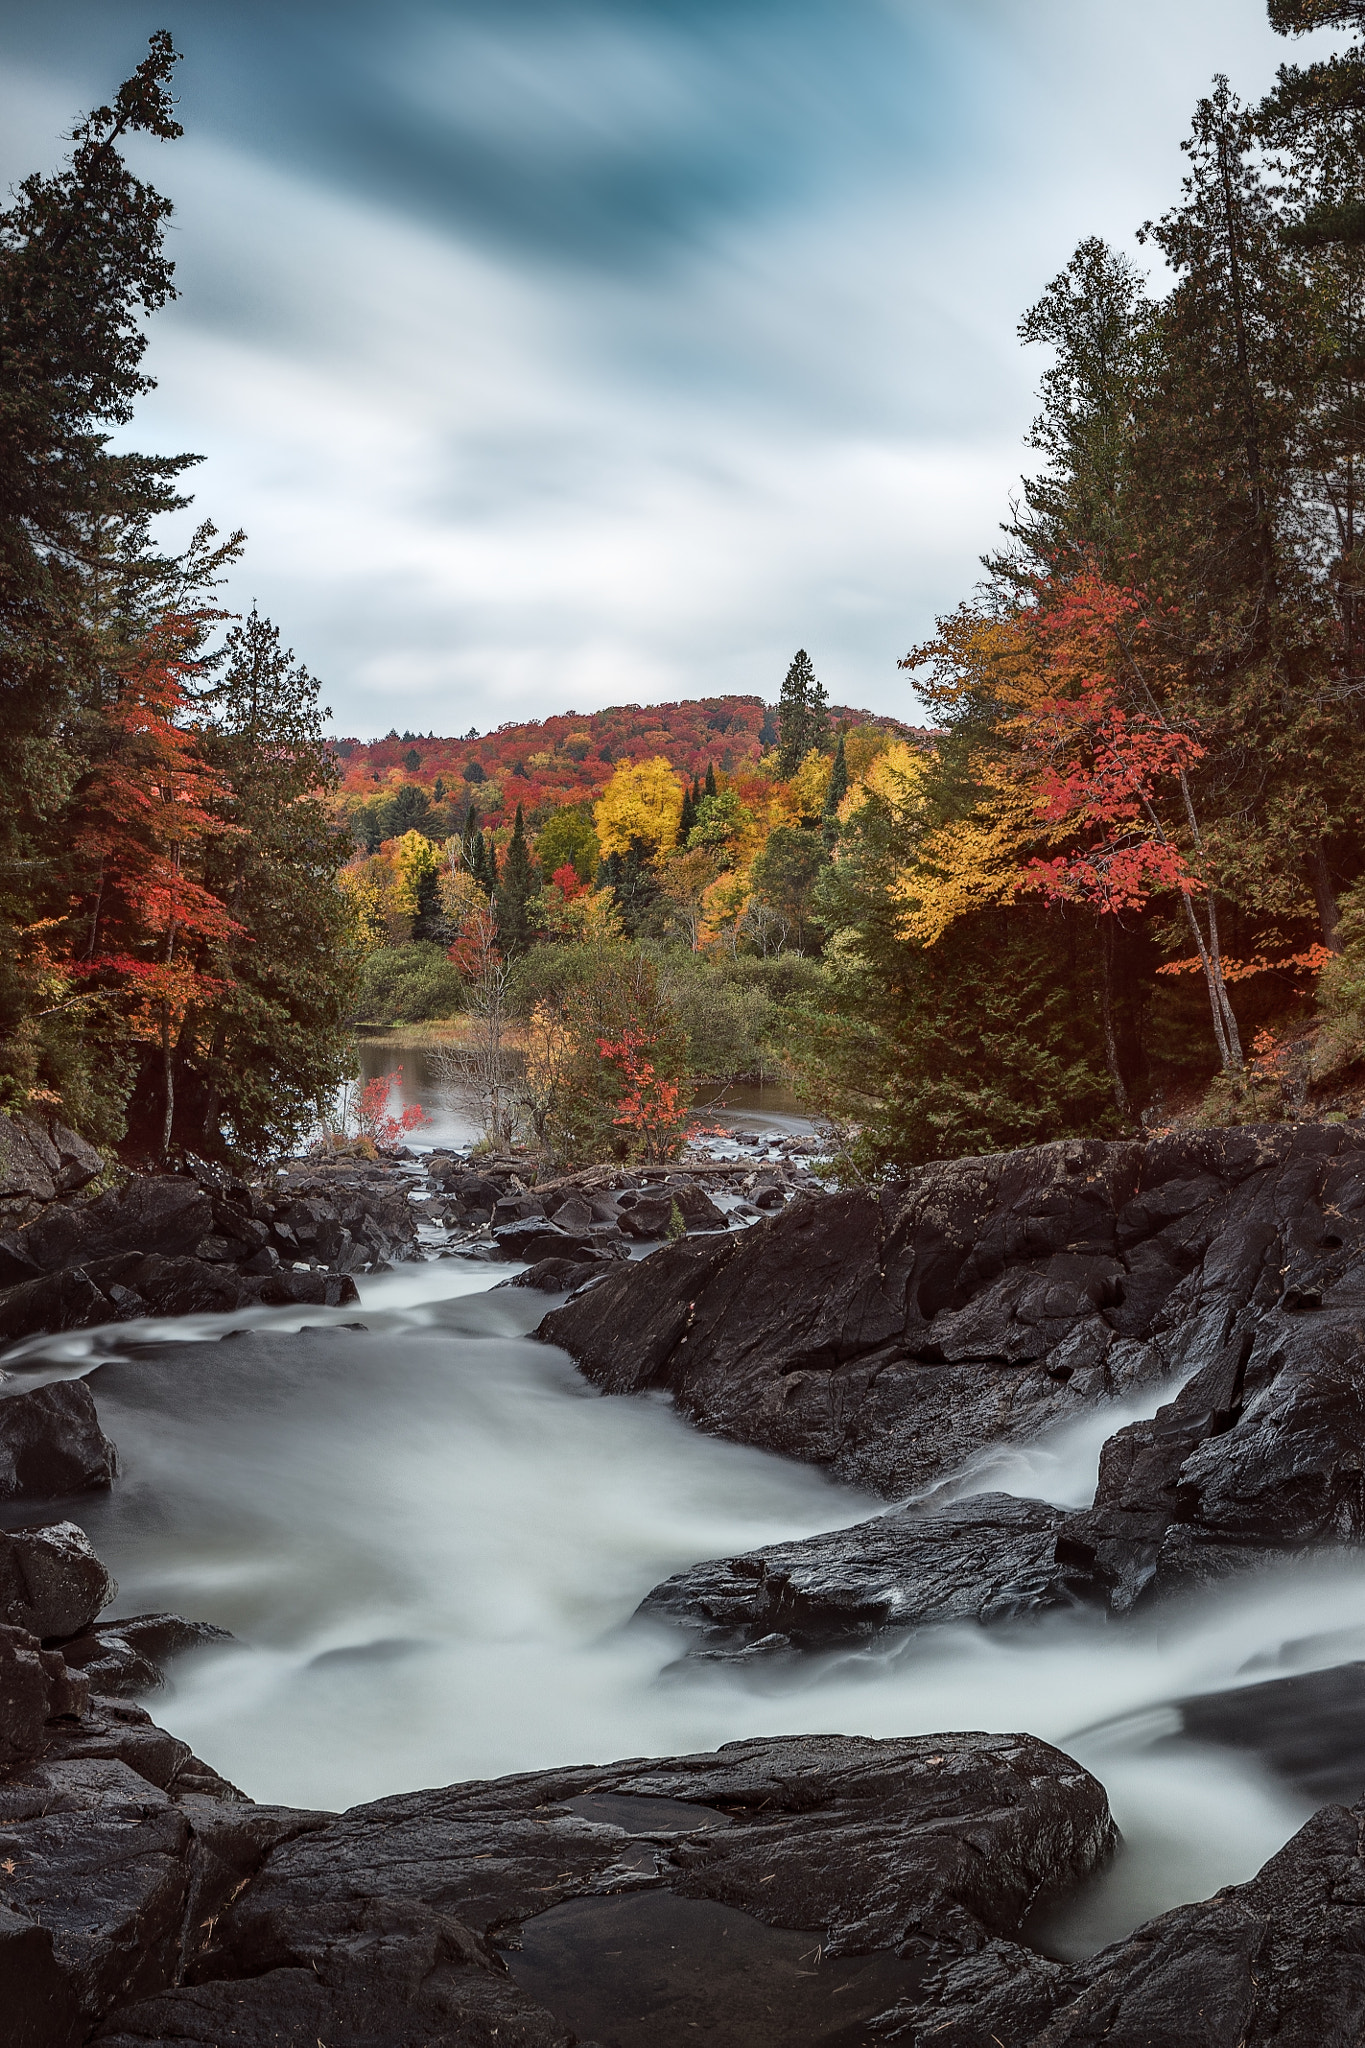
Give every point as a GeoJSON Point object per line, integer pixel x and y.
{"type": "Point", "coordinates": [429, 1536]}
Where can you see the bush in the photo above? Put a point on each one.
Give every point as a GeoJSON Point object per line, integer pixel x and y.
{"type": "Point", "coordinates": [407, 985]}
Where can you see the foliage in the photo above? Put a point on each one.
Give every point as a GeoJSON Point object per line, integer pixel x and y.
{"type": "Point", "coordinates": [638, 812]}
{"type": "Point", "coordinates": [375, 1123]}
{"type": "Point", "coordinates": [408, 984]}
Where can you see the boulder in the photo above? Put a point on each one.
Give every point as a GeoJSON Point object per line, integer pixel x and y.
{"type": "Point", "coordinates": [125, 1658]}
{"type": "Point", "coordinates": [385, 1925]}
{"type": "Point", "coordinates": [534, 1238]}
{"type": "Point", "coordinates": [646, 1216]}
{"type": "Point", "coordinates": [51, 1444]}
{"type": "Point", "coordinates": [987, 1559]}
{"type": "Point", "coordinates": [39, 1163]}
{"type": "Point", "coordinates": [1275, 1963]}
{"type": "Point", "coordinates": [132, 1286]}
{"type": "Point", "coordinates": [560, 1276]}
{"type": "Point", "coordinates": [51, 1582]}
{"type": "Point", "coordinates": [892, 1336]}
{"type": "Point", "coordinates": [149, 1213]}
{"type": "Point", "coordinates": [35, 1689]}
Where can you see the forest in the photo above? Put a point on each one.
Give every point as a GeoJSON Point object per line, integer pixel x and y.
{"type": "Point", "coordinates": [1104, 874]}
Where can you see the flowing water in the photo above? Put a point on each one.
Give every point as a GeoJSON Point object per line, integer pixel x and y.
{"type": "Point", "coordinates": [430, 1535]}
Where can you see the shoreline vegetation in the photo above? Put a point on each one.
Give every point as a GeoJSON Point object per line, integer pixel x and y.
{"type": "Point", "coordinates": [1115, 886]}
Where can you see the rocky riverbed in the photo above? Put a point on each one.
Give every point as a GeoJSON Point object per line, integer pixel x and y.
{"type": "Point", "coordinates": [1193, 1305]}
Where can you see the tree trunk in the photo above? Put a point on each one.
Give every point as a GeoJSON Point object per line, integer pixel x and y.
{"type": "Point", "coordinates": [1111, 1048]}
{"type": "Point", "coordinates": [168, 1068]}
{"type": "Point", "coordinates": [1329, 916]}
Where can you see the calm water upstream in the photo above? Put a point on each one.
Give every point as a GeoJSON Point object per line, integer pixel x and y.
{"type": "Point", "coordinates": [430, 1536]}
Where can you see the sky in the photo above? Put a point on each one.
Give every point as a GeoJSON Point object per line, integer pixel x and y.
{"type": "Point", "coordinates": [564, 353]}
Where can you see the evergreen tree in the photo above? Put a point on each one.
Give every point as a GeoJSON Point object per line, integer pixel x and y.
{"type": "Point", "coordinates": [689, 813]}
{"type": "Point", "coordinates": [512, 897]}
{"type": "Point", "coordinates": [277, 1040]}
{"type": "Point", "coordinates": [802, 714]}
{"type": "Point", "coordinates": [709, 787]}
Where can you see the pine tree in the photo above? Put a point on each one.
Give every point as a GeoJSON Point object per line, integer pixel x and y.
{"type": "Point", "coordinates": [512, 898]}
{"type": "Point", "coordinates": [801, 717]}
{"type": "Point", "coordinates": [709, 787]}
{"type": "Point", "coordinates": [689, 813]}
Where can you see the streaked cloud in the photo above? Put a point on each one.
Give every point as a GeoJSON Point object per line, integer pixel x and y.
{"type": "Point", "coordinates": [585, 353]}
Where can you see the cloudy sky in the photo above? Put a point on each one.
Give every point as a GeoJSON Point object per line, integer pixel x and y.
{"type": "Point", "coordinates": [563, 353]}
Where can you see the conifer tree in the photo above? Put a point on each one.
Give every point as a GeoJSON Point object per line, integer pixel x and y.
{"type": "Point", "coordinates": [689, 813]}
{"type": "Point", "coordinates": [512, 897]}
{"type": "Point", "coordinates": [709, 787]}
{"type": "Point", "coordinates": [802, 714]}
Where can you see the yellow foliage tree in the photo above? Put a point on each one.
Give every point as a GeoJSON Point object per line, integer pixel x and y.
{"type": "Point", "coordinates": [642, 802]}
{"type": "Point", "coordinates": [415, 860]}
{"type": "Point", "coordinates": [806, 790]}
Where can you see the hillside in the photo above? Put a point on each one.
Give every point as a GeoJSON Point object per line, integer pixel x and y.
{"type": "Point", "coordinates": [548, 763]}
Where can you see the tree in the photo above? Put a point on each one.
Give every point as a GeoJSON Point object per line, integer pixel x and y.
{"type": "Point", "coordinates": [278, 1041]}
{"type": "Point", "coordinates": [835, 792]}
{"type": "Point", "coordinates": [639, 809]}
{"type": "Point", "coordinates": [514, 893]}
{"type": "Point", "coordinates": [568, 836]}
{"type": "Point", "coordinates": [802, 718]}
{"type": "Point", "coordinates": [785, 874]}
{"type": "Point", "coordinates": [149, 804]}
{"type": "Point", "coordinates": [82, 263]}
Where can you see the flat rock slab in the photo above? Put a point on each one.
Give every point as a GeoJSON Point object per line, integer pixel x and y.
{"type": "Point", "coordinates": [893, 1860]}
{"type": "Point", "coordinates": [990, 1558]}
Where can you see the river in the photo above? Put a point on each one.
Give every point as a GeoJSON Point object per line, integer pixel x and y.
{"type": "Point", "coordinates": [430, 1534]}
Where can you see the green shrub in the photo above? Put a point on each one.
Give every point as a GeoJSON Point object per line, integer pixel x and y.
{"type": "Point", "coordinates": [407, 985]}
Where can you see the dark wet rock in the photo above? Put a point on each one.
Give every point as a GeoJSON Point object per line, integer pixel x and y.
{"type": "Point", "coordinates": [37, 1164]}
{"type": "Point", "coordinates": [385, 1925]}
{"type": "Point", "coordinates": [892, 1336]}
{"type": "Point", "coordinates": [51, 1581]}
{"type": "Point", "coordinates": [36, 1688]}
{"type": "Point", "coordinates": [1275, 1963]}
{"type": "Point", "coordinates": [645, 1216]}
{"type": "Point", "coordinates": [133, 1286]}
{"type": "Point", "coordinates": [149, 1213]}
{"type": "Point", "coordinates": [51, 1444]}
{"type": "Point", "coordinates": [561, 1276]}
{"type": "Point", "coordinates": [534, 1238]}
{"type": "Point", "coordinates": [128, 1657]}
{"type": "Point", "coordinates": [1309, 1728]}
{"type": "Point", "coordinates": [987, 1559]}
{"type": "Point", "coordinates": [118, 1851]}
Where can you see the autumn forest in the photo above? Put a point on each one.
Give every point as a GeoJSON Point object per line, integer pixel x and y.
{"type": "Point", "coordinates": [1104, 873]}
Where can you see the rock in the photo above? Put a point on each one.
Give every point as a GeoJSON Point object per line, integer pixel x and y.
{"type": "Point", "coordinates": [517, 1209]}
{"type": "Point", "coordinates": [150, 1213]}
{"type": "Point", "coordinates": [35, 1689]}
{"type": "Point", "coordinates": [697, 1209]}
{"type": "Point", "coordinates": [1309, 1729]}
{"type": "Point", "coordinates": [51, 1582]}
{"type": "Point", "coordinates": [125, 1658]}
{"type": "Point", "coordinates": [892, 1336]}
{"type": "Point", "coordinates": [132, 1286]}
{"type": "Point", "coordinates": [384, 1925]}
{"type": "Point", "coordinates": [561, 1276]}
{"type": "Point", "coordinates": [1275, 1963]}
{"type": "Point", "coordinates": [51, 1444]}
{"type": "Point", "coordinates": [534, 1238]}
{"type": "Point", "coordinates": [117, 1854]}
{"type": "Point", "coordinates": [987, 1559]}
{"type": "Point", "coordinates": [645, 1217]}
{"type": "Point", "coordinates": [38, 1164]}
